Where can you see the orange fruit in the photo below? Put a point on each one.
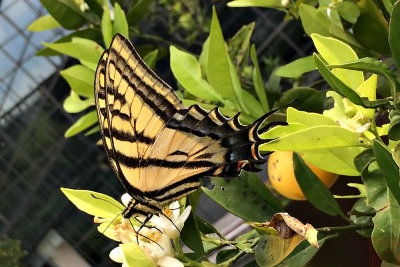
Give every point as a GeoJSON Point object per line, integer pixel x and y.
{"type": "Point", "coordinates": [281, 175]}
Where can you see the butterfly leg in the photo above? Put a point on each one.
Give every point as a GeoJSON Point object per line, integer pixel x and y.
{"type": "Point", "coordinates": [149, 227]}
{"type": "Point", "coordinates": [143, 224]}
{"type": "Point", "coordinates": [171, 221]}
{"type": "Point", "coordinates": [145, 237]}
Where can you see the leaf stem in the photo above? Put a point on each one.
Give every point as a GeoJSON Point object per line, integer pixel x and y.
{"type": "Point", "coordinates": [181, 256]}
{"type": "Point", "coordinates": [347, 228]}
{"type": "Point", "coordinates": [359, 213]}
{"type": "Point", "coordinates": [374, 130]}
{"type": "Point", "coordinates": [223, 242]}
{"type": "Point", "coordinates": [240, 254]}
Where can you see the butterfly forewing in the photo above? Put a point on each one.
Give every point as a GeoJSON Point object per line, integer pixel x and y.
{"type": "Point", "coordinates": [157, 147]}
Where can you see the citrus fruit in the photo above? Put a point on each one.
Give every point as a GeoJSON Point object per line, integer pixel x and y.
{"type": "Point", "coordinates": [281, 175]}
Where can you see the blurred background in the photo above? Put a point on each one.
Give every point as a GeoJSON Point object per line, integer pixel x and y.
{"type": "Point", "coordinates": [37, 223]}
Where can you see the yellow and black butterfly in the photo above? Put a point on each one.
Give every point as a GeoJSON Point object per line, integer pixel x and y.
{"type": "Point", "coordinates": [158, 148]}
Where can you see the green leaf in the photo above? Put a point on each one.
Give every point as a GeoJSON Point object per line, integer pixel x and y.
{"type": "Point", "coordinates": [80, 79]}
{"type": "Point", "coordinates": [318, 21]}
{"type": "Point", "coordinates": [388, 5]}
{"type": "Point", "coordinates": [135, 256]}
{"type": "Point", "coordinates": [336, 84]}
{"type": "Point", "coordinates": [280, 130]}
{"type": "Point", "coordinates": [226, 254]}
{"type": "Point", "coordinates": [374, 66]}
{"type": "Point", "coordinates": [336, 160]}
{"type": "Point", "coordinates": [389, 168]}
{"type": "Point", "coordinates": [94, 130]}
{"type": "Point", "coordinates": [316, 137]}
{"type": "Point", "coordinates": [82, 124]}
{"type": "Point", "coordinates": [314, 21]}
{"type": "Point", "coordinates": [339, 87]}
{"type": "Point", "coordinates": [209, 247]}
{"type": "Point", "coordinates": [43, 23]}
{"type": "Point", "coordinates": [100, 205]}
{"type": "Point", "coordinates": [137, 11]}
{"type": "Point", "coordinates": [257, 80]}
{"type": "Point", "coordinates": [73, 103]}
{"type": "Point", "coordinates": [371, 28]}
{"type": "Point", "coordinates": [237, 87]}
{"type": "Point", "coordinates": [314, 190]}
{"type": "Point", "coordinates": [85, 50]}
{"type": "Point", "coordinates": [255, 203]}
{"type": "Point", "coordinates": [203, 58]}
{"type": "Point", "coordinates": [364, 159]}
{"type": "Point", "coordinates": [296, 68]}
{"type": "Point", "coordinates": [238, 46]}
{"type": "Point", "coordinates": [385, 236]}
{"type": "Point", "coordinates": [339, 110]}
{"type": "Point", "coordinates": [187, 71]}
{"type": "Point", "coordinates": [394, 33]}
{"type": "Point", "coordinates": [307, 118]}
{"type": "Point", "coordinates": [258, 3]}
{"type": "Point", "coordinates": [205, 227]}
{"type": "Point", "coordinates": [208, 264]}
{"type": "Point", "coordinates": [307, 99]}
{"type": "Point", "coordinates": [91, 34]}
{"type": "Point", "coordinates": [337, 52]}
{"type": "Point", "coordinates": [368, 89]}
{"type": "Point", "coordinates": [249, 235]}
{"type": "Point", "coordinates": [303, 253]}
{"type": "Point", "coordinates": [218, 69]}
{"type": "Point", "coordinates": [394, 127]}
{"type": "Point", "coordinates": [360, 207]}
{"type": "Point", "coordinates": [95, 7]}
{"type": "Point", "coordinates": [66, 12]}
{"type": "Point", "coordinates": [151, 58]}
{"type": "Point", "coordinates": [106, 26]}
{"type": "Point", "coordinates": [190, 235]}
{"type": "Point", "coordinates": [348, 11]}
{"type": "Point", "coordinates": [375, 184]}
{"type": "Point", "coordinates": [252, 105]}
{"type": "Point", "coordinates": [396, 154]}
{"type": "Point", "coordinates": [120, 24]}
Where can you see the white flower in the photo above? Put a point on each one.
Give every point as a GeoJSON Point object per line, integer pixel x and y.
{"type": "Point", "coordinates": [154, 242]}
{"type": "Point", "coordinates": [175, 220]}
{"type": "Point", "coordinates": [83, 6]}
{"type": "Point", "coordinates": [358, 123]}
{"type": "Point", "coordinates": [126, 198]}
{"type": "Point", "coordinates": [285, 2]}
{"type": "Point", "coordinates": [159, 251]}
{"type": "Point", "coordinates": [117, 255]}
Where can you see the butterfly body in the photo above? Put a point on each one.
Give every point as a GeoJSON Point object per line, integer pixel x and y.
{"type": "Point", "coordinates": [157, 147]}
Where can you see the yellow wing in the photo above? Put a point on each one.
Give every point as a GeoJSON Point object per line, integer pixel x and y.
{"type": "Point", "coordinates": [156, 146]}
{"type": "Point", "coordinates": [135, 102]}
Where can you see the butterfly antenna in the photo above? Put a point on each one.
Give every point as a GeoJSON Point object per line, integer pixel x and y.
{"type": "Point", "coordinates": [110, 223]}
{"type": "Point", "coordinates": [171, 221]}
{"type": "Point", "coordinates": [106, 201]}
{"type": "Point", "coordinates": [177, 207]}
{"type": "Point", "coordinates": [108, 226]}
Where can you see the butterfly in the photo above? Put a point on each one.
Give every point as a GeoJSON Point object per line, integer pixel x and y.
{"type": "Point", "coordinates": [157, 147]}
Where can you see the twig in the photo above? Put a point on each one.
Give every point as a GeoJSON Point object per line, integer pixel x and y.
{"type": "Point", "coordinates": [347, 228]}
